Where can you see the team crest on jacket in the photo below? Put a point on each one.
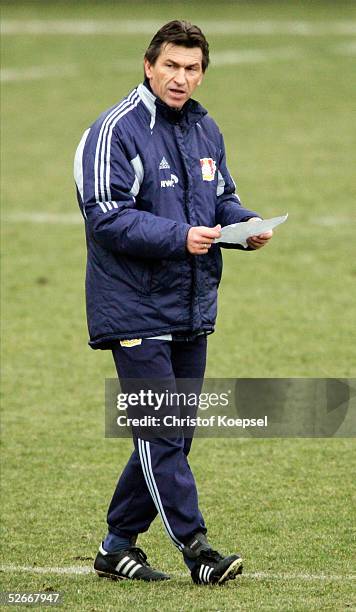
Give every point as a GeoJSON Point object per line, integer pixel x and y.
{"type": "Point", "coordinates": [129, 343]}
{"type": "Point", "coordinates": [208, 168]}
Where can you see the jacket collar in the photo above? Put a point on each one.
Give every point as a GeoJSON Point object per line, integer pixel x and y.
{"type": "Point", "coordinates": [191, 112]}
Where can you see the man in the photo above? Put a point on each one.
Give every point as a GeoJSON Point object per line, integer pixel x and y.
{"type": "Point", "coordinates": [154, 190]}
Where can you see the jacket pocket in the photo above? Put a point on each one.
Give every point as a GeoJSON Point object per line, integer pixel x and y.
{"type": "Point", "coordinates": [146, 278]}
{"type": "Point", "coordinates": [165, 274]}
{"type": "Point", "coordinates": [215, 265]}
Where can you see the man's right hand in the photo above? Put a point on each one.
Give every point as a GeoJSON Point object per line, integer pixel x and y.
{"type": "Point", "coordinates": [200, 239]}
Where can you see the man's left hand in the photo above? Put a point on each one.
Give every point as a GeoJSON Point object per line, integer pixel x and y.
{"type": "Point", "coordinates": [260, 240]}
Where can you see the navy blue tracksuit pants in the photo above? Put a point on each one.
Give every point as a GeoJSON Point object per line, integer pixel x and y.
{"type": "Point", "coordinates": [157, 477]}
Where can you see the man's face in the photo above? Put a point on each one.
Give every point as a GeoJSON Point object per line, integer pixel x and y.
{"type": "Point", "coordinates": [175, 74]}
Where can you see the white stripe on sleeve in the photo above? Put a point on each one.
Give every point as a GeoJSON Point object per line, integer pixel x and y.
{"type": "Point", "coordinates": [135, 102]}
{"type": "Point", "coordinates": [221, 184]}
{"type": "Point", "coordinates": [78, 164]}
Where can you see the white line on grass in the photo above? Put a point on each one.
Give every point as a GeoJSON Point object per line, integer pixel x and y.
{"type": "Point", "coordinates": [32, 73]}
{"type": "Point", "coordinates": [73, 570]}
{"type": "Point", "coordinates": [294, 576]}
{"type": "Point", "coordinates": [80, 570]}
{"type": "Point", "coordinates": [331, 221]}
{"type": "Point", "coordinates": [147, 26]}
{"type": "Point", "coordinates": [251, 56]}
{"type": "Point", "coordinates": [45, 218]}
{"type": "Point", "coordinates": [348, 48]}
{"type": "Point", "coordinates": [229, 57]}
{"type": "Point", "coordinates": [219, 58]}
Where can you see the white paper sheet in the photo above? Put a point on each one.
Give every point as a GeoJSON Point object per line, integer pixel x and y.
{"type": "Point", "coordinates": [237, 233]}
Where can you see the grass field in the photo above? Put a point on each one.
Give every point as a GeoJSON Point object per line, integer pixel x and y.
{"type": "Point", "coordinates": [281, 87]}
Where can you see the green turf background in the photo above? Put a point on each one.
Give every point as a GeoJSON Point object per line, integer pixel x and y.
{"type": "Point", "coordinates": [288, 310]}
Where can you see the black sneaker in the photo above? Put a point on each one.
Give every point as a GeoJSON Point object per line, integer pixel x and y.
{"type": "Point", "coordinates": [212, 568]}
{"type": "Point", "coordinates": [126, 564]}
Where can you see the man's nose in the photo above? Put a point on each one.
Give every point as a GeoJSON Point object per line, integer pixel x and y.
{"type": "Point", "coordinates": [179, 76]}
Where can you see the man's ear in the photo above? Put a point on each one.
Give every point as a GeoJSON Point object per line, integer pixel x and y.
{"type": "Point", "coordinates": [147, 68]}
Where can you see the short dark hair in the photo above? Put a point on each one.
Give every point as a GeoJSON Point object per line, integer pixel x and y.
{"type": "Point", "coordinates": [178, 33]}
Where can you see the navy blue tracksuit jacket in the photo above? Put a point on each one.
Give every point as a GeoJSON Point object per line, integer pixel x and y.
{"type": "Point", "coordinates": [145, 174]}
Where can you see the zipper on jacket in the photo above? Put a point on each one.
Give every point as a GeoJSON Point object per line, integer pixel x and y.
{"type": "Point", "coordinates": [194, 263]}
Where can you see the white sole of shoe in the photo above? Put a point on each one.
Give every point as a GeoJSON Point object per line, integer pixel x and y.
{"type": "Point", "coordinates": [111, 576]}
{"type": "Point", "coordinates": [116, 577]}
{"type": "Point", "coordinates": [233, 570]}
